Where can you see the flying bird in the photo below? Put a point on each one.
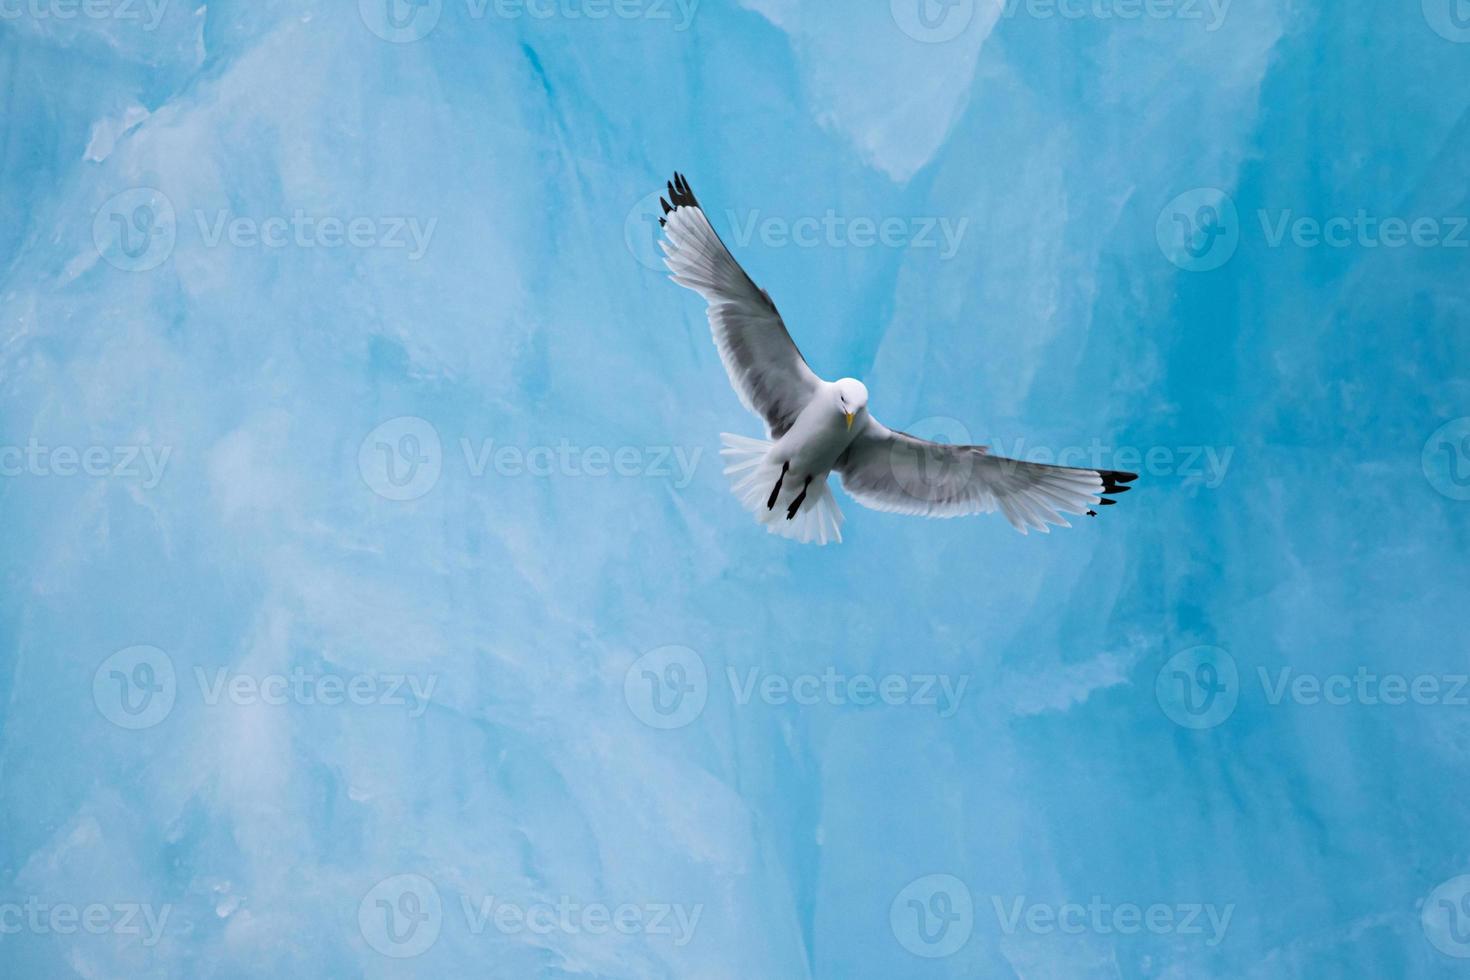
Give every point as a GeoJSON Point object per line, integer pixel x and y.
{"type": "Point", "coordinates": [817, 427]}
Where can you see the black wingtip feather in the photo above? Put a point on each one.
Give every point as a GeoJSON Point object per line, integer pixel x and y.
{"type": "Point", "coordinates": [680, 195]}
{"type": "Point", "coordinates": [1115, 482]}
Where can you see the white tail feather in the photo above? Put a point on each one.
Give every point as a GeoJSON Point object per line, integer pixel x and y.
{"type": "Point", "coordinates": [752, 476]}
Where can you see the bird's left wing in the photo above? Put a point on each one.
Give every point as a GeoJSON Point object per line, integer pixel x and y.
{"type": "Point", "coordinates": [765, 368]}
{"type": "Point", "coordinates": [894, 471]}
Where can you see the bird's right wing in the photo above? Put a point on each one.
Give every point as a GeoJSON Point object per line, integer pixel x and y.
{"type": "Point", "coordinates": [894, 471]}
{"type": "Point", "coordinates": [765, 368]}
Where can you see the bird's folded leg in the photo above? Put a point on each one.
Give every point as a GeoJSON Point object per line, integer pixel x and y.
{"type": "Point", "coordinates": [776, 490]}
{"type": "Point", "coordinates": [796, 504]}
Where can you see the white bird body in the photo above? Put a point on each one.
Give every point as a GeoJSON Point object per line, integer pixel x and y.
{"type": "Point", "coordinates": [798, 464]}
{"type": "Point", "coordinates": [816, 427]}
{"type": "Point", "coordinates": [820, 435]}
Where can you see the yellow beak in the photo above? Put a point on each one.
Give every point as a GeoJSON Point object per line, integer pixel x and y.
{"type": "Point", "coordinates": [849, 420]}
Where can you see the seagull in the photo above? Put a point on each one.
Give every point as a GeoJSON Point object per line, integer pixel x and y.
{"type": "Point", "coordinates": [816, 427]}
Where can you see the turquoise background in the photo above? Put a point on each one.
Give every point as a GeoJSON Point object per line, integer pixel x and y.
{"type": "Point", "coordinates": [1133, 277]}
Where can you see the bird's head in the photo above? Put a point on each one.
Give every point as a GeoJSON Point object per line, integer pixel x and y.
{"type": "Point", "coordinates": [852, 398]}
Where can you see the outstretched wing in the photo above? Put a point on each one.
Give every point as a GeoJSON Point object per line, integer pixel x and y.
{"type": "Point", "coordinates": [765, 368]}
{"type": "Point", "coordinates": [894, 471]}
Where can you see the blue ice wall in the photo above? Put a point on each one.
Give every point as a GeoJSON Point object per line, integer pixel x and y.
{"type": "Point", "coordinates": [374, 605]}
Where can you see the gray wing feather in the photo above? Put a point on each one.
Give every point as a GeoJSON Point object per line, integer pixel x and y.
{"type": "Point", "coordinates": [765, 367]}
{"type": "Point", "coordinates": [894, 471]}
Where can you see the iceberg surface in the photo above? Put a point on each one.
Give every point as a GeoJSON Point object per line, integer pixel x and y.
{"type": "Point", "coordinates": [375, 605]}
